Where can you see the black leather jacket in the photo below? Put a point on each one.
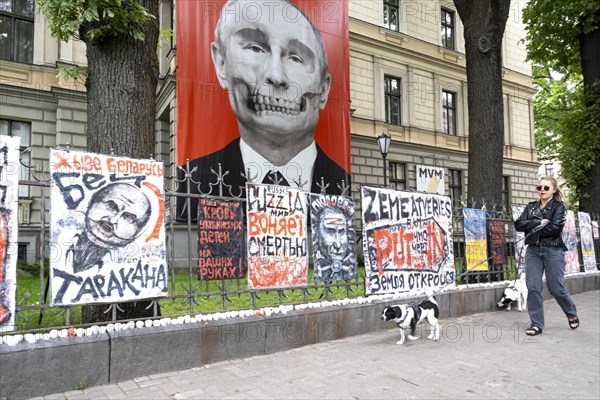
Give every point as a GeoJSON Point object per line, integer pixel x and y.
{"type": "Point", "coordinates": [550, 235]}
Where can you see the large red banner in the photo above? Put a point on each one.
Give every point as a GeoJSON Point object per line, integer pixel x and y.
{"type": "Point", "coordinates": [206, 122]}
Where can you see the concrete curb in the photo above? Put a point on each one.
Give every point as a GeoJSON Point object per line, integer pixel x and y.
{"type": "Point", "coordinates": [61, 364]}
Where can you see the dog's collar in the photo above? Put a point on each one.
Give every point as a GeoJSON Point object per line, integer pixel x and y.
{"type": "Point", "coordinates": [401, 321]}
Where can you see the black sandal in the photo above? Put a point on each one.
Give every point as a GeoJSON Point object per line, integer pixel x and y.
{"type": "Point", "coordinates": [533, 330]}
{"type": "Point", "coordinates": [573, 322]}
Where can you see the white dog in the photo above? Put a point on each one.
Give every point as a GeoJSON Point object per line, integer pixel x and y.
{"type": "Point", "coordinates": [409, 315]}
{"type": "Point", "coordinates": [515, 292]}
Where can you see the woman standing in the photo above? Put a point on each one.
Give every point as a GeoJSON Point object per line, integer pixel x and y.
{"type": "Point", "coordinates": [543, 221]}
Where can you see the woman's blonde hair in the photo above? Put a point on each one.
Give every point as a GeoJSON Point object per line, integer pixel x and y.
{"type": "Point", "coordinates": [558, 195]}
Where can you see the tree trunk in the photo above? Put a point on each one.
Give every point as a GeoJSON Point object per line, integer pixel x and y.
{"type": "Point", "coordinates": [484, 23]}
{"type": "Point", "coordinates": [589, 45]}
{"type": "Point", "coordinates": [121, 92]}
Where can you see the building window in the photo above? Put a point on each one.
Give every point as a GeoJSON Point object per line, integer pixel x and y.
{"type": "Point", "coordinates": [397, 175]}
{"type": "Point", "coordinates": [455, 186]}
{"type": "Point", "coordinates": [549, 169]}
{"type": "Point", "coordinates": [391, 15]}
{"type": "Point", "coordinates": [16, 30]}
{"type": "Point", "coordinates": [505, 193]}
{"type": "Point", "coordinates": [447, 29]}
{"type": "Point", "coordinates": [449, 112]}
{"type": "Point", "coordinates": [22, 252]}
{"type": "Point", "coordinates": [22, 130]}
{"type": "Point", "coordinates": [392, 100]}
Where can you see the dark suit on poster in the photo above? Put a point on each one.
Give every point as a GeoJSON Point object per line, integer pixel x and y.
{"type": "Point", "coordinates": [277, 79]}
{"type": "Point", "coordinates": [231, 160]}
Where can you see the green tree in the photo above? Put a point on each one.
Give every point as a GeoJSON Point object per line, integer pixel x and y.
{"type": "Point", "coordinates": [564, 38]}
{"type": "Point", "coordinates": [484, 24]}
{"type": "Point", "coordinates": [121, 38]}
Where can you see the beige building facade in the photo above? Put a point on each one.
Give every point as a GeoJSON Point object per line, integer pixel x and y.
{"type": "Point", "coordinates": [407, 80]}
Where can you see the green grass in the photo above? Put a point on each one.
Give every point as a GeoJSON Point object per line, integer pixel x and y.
{"type": "Point", "coordinates": [28, 294]}
{"type": "Point", "coordinates": [203, 297]}
{"type": "Point", "coordinates": [188, 295]}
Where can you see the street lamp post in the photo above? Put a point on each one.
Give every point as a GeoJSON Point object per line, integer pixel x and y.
{"type": "Point", "coordinates": [383, 141]}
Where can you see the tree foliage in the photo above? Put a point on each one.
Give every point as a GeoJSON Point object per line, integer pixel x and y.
{"type": "Point", "coordinates": [567, 126]}
{"type": "Point", "coordinates": [553, 28]}
{"type": "Point", "coordinates": [91, 20]}
{"type": "Point", "coordinates": [563, 41]}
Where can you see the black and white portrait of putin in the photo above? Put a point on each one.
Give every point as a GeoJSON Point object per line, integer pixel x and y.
{"type": "Point", "coordinates": [271, 60]}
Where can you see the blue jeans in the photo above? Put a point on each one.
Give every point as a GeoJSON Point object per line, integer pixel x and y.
{"type": "Point", "coordinates": [540, 259]}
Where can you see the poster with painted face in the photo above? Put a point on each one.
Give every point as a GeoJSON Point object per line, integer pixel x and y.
{"type": "Point", "coordinates": [569, 237]}
{"type": "Point", "coordinates": [519, 238]}
{"type": "Point", "coordinates": [9, 187]}
{"type": "Point", "coordinates": [475, 239]}
{"type": "Point", "coordinates": [407, 240]}
{"type": "Point", "coordinates": [587, 241]}
{"type": "Point", "coordinates": [334, 255]}
{"type": "Point", "coordinates": [107, 236]}
{"type": "Point", "coordinates": [263, 85]}
{"type": "Point", "coordinates": [277, 238]}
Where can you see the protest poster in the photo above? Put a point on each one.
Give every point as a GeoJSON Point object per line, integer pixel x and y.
{"type": "Point", "coordinates": [407, 240]}
{"type": "Point", "coordinates": [277, 244]}
{"type": "Point", "coordinates": [519, 239]}
{"type": "Point", "coordinates": [497, 247]}
{"type": "Point", "coordinates": [431, 179]}
{"type": "Point", "coordinates": [332, 222]}
{"type": "Point", "coordinates": [220, 239]}
{"type": "Point", "coordinates": [107, 236]}
{"type": "Point", "coordinates": [587, 241]}
{"type": "Point", "coordinates": [9, 197]}
{"type": "Point", "coordinates": [475, 239]}
{"type": "Point", "coordinates": [569, 237]}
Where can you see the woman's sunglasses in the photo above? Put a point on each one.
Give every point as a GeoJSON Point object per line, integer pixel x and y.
{"type": "Point", "coordinates": [540, 187]}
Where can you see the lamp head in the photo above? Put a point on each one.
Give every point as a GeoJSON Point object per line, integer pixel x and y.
{"type": "Point", "coordinates": [383, 141]}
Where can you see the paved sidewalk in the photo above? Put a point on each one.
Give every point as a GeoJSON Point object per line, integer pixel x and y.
{"type": "Point", "coordinates": [480, 356]}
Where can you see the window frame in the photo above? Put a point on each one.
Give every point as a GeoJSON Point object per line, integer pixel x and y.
{"type": "Point", "coordinates": [14, 19]}
{"type": "Point", "coordinates": [447, 125]}
{"type": "Point", "coordinates": [395, 181]}
{"type": "Point", "coordinates": [24, 157]}
{"type": "Point", "coordinates": [391, 95]}
{"type": "Point", "coordinates": [447, 29]}
{"type": "Point", "coordinates": [391, 5]}
{"type": "Point", "coordinates": [549, 169]}
{"type": "Point", "coordinates": [455, 187]}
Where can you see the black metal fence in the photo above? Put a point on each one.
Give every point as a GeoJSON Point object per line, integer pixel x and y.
{"type": "Point", "coordinates": [189, 296]}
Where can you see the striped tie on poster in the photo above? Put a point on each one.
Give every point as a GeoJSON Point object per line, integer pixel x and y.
{"type": "Point", "coordinates": [9, 187]}
{"type": "Point", "coordinates": [107, 229]}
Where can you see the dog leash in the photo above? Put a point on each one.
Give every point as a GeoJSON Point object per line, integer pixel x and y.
{"type": "Point", "coordinates": [534, 230]}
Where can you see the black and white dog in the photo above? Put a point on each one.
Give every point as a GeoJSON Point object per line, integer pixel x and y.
{"type": "Point", "coordinates": [516, 292]}
{"type": "Point", "coordinates": [410, 315]}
